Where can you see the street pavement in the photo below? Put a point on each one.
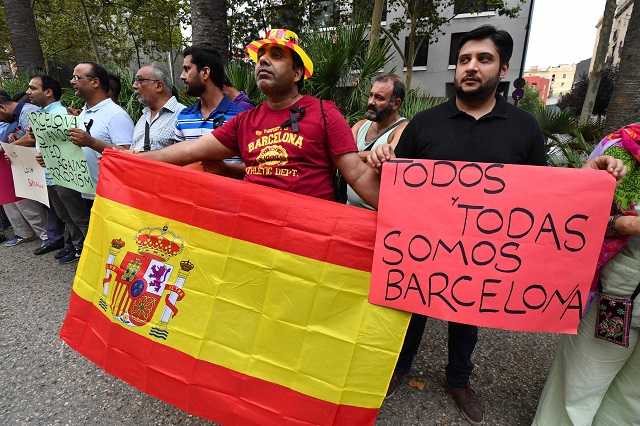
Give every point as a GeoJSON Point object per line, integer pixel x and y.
{"type": "Point", "coordinates": [46, 383]}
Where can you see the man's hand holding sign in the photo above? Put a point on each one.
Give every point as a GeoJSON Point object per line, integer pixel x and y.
{"type": "Point", "coordinates": [490, 247]}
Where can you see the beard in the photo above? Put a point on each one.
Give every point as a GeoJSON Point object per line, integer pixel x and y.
{"type": "Point", "coordinates": [141, 98]}
{"type": "Point", "coordinates": [378, 115]}
{"type": "Point", "coordinates": [195, 88]}
{"type": "Point", "coordinates": [481, 93]}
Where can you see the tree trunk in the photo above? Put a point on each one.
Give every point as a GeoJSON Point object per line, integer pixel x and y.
{"type": "Point", "coordinates": [624, 107]}
{"type": "Point", "coordinates": [24, 36]}
{"type": "Point", "coordinates": [598, 61]}
{"type": "Point", "coordinates": [92, 36]}
{"type": "Point", "coordinates": [412, 51]}
{"type": "Point", "coordinates": [376, 22]}
{"type": "Point", "coordinates": [210, 24]}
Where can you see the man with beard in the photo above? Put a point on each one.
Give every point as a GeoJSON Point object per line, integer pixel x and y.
{"type": "Point", "coordinates": [156, 127]}
{"type": "Point", "coordinates": [203, 76]}
{"type": "Point", "coordinates": [476, 125]}
{"type": "Point", "coordinates": [383, 124]}
{"type": "Point", "coordinates": [292, 142]}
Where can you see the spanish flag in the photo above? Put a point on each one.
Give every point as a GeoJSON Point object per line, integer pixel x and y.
{"type": "Point", "coordinates": [236, 302]}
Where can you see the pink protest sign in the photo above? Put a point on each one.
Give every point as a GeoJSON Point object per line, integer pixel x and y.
{"type": "Point", "coordinates": [494, 245]}
{"type": "Point", "coordinates": [7, 190]}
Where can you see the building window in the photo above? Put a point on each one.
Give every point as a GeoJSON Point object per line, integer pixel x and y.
{"type": "Point", "coordinates": [453, 49]}
{"type": "Point", "coordinates": [365, 49]}
{"type": "Point", "coordinates": [564, 76]}
{"type": "Point", "coordinates": [561, 84]}
{"type": "Point", "coordinates": [423, 53]}
{"type": "Point", "coordinates": [472, 6]}
{"type": "Point", "coordinates": [368, 4]}
{"type": "Point", "coordinates": [534, 86]}
{"type": "Point", "coordinates": [323, 12]}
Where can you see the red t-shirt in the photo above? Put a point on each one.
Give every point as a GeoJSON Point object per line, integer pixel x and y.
{"type": "Point", "coordinates": [297, 162]}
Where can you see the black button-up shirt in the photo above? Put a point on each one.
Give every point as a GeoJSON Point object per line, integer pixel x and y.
{"type": "Point", "coordinates": [507, 135]}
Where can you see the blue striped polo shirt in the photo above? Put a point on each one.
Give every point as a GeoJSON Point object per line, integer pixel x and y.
{"type": "Point", "coordinates": [192, 125]}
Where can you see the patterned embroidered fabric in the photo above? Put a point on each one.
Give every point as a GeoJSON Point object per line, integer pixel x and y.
{"type": "Point", "coordinates": [624, 144]}
{"type": "Point", "coordinates": [614, 319]}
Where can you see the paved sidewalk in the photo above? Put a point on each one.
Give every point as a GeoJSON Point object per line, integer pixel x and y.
{"type": "Point", "coordinates": [46, 384]}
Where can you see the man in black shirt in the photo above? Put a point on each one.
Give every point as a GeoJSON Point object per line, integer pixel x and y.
{"type": "Point", "coordinates": [476, 126]}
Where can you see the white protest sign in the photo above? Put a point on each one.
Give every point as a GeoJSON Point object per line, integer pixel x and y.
{"type": "Point", "coordinates": [28, 175]}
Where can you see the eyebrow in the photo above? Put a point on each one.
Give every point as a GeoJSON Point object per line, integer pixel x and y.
{"type": "Point", "coordinates": [486, 53]}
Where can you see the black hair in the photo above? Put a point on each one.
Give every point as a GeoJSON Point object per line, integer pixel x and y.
{"type": "Point", "coordinates": [20, 97]}
{"type": "Point", "coordinates": [115, 84]}
{"type": "Point", "coordinates": [297, 63]}
{"type": "Point", "coordinates": [399, 90]}
{"type": "Point", "coordinates": [227, 82]}
{"type": "Point", "coordinates": [50, 83]}
{"type": "Point", "coordinates": [99, 72]}
{"type": "Point", "coordinates": [5, 98]}
{"type": "Point", "coordinates": [501, 38]}
{"type": "Point", "coordinates": [205, 55]}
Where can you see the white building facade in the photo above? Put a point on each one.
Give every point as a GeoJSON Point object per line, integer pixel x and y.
{"type": "Point", "coordinates": [434, 67]}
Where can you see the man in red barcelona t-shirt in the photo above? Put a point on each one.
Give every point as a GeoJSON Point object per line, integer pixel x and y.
{"type": "Point", "coordinates": [292, 141]}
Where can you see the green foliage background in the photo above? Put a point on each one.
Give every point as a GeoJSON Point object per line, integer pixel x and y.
{"type": "Point", "coordinates": [64, 36]}
{"type": "Point", "coordinates": [531, 100]}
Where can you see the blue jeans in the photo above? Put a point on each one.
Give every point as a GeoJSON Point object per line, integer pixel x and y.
{"type": "Point", "coordinates": [462, 341]}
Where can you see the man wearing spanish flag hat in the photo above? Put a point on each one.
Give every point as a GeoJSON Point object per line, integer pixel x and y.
{"type": "Point", "coordinates": [292, 141]}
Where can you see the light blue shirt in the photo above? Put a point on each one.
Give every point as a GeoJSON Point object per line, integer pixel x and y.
{"type": "Point", "coordinates": [111, 124]}
{"type": "Point", "coordinates": [55, 108]}
{"type": "Point", "coordinates": [21, 117]}
{"type": "Point", "coordinates": [6, 129]}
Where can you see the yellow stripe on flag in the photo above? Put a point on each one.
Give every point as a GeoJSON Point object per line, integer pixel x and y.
{"type": "Point", "coordinates": [261, 312]}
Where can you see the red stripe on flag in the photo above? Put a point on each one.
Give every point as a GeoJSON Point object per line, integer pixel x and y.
{"type": "Point", "coordinates": [305, 226]}
{"type": "Point", "coordinates": [215, 392]}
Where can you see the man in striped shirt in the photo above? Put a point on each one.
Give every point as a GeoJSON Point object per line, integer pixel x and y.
{"type": "Point", "coordinates": [203, 76]}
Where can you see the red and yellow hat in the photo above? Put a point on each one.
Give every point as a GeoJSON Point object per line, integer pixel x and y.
{"type": "Point", "coordinates": [285, 38]}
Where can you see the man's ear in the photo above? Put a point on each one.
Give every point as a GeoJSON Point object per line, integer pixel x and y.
{"type": "Point", "coordinates": [206, 73]}
{"type": "Point", "coordinates": [396, 104]}
{"type": "Point", "coordinates": [48, 93]}
{"type": "Point", "coordinates": [298, 74]}
{"type": "Point", "coordinates": [503, 70]}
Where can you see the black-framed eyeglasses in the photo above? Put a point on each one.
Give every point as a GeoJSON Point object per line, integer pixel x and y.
{"type": "Point", "coordinates": [140, 79]}
{"type": "Point", "coordinates": [78, 77]}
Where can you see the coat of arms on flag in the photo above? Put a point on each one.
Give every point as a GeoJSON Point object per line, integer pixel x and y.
{"type": "Point", "coordinates": [138, 284]}
{"type": "Point", "coordinates": [242, 304]}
